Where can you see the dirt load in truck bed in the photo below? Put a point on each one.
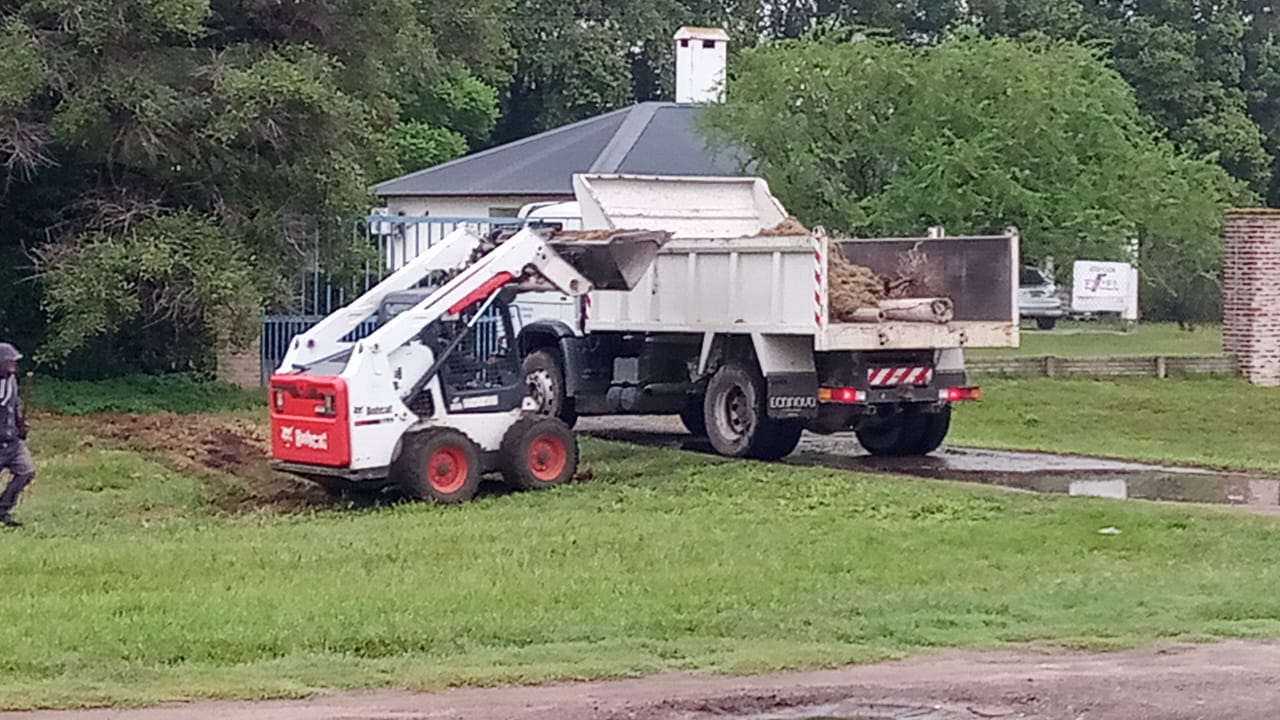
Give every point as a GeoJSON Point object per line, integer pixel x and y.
{"type": "Point", "coordinates": [853, 288]}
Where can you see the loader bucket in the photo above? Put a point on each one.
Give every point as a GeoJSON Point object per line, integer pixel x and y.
{"type": "Point", "coordinates": [610, 259]}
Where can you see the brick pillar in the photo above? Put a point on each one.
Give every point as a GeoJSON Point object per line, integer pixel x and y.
{"type": "Point", "coordinates": [241, 365]}
{"type": "Point", "coordinates": [1251, 294]}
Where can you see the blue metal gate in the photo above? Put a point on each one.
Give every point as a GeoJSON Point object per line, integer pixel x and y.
{"type": "Point", "coordinates": [390, 242]}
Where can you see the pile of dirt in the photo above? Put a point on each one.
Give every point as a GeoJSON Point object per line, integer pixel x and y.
{"type": "Point", "coordinates": [584, 235]}
{"type": "Point", "coordinates": [787, 228]}
{"type": "Point", "coordinates": [230, 454]}
{"type": "Point", "coordinates": [856, 287]}
{"type": "Point", "coordinates": [850, 288]}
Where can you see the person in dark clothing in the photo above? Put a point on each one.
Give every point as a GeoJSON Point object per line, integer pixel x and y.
{"type": "Point", "coordinates": [14, 455]}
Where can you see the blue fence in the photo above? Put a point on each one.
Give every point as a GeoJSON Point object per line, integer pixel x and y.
{"type": "Point", "coordinates": [390, 242]}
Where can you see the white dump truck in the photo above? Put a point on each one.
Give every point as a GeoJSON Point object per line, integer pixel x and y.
{"type": "Point", "coordinates": [734, 326]}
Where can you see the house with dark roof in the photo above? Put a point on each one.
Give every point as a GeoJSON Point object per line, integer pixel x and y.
{"type": "Point", "coordinates": [649, 138]}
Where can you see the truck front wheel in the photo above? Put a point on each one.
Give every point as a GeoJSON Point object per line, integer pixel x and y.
{"type": "Point", "coordinates": [737, 423]}
{"type": "Point", "coordinates": [910, 432]}
{"type": "Point", "coordinates": [544, 373]}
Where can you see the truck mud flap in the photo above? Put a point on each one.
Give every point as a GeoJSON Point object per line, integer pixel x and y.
{"type": "Point", "coordinates": [792, 396]}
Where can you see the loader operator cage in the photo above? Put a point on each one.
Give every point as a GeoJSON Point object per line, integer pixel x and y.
{"type": "Point", "coordinates": [485, 358]}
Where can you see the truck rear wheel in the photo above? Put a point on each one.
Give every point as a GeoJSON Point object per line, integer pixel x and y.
{"type": "Point", "coordinates": [908, 433]}
{"type": "Point", "coordinates": [439, 465]}
{"type": "Point", "coordinates": [538, 453]}
{"type": "Point", "coordinates": [737, 423]}
{"type": "Point", "coordinates": [544, 372]}
{"type": "Point", "coordinates": [782, 441]}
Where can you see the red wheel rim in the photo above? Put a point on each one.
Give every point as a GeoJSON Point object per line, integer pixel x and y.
{"type": "Point", "coordinates": [547, 458]}
{"type": "Point", "coordinates": [447, 469]}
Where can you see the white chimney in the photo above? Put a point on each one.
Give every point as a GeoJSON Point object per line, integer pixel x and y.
{"type": "Point", "coordinates": [701, 56]}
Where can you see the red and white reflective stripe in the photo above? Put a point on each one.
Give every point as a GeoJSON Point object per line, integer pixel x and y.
{"type": "Point", "coordinates": [819, 267]}
{"type": "Point", "coordinates": [886, 376]}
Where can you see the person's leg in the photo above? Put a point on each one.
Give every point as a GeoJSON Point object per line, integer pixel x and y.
{"type": "Point", "coordinates": [18, 461]}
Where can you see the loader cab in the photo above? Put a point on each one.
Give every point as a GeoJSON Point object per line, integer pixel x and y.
{"type": "Point", "coordinates": [481, 371]}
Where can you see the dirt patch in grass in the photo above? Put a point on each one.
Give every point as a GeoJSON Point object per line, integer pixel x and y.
{"type": "Point", "coordinates": [230, 454]}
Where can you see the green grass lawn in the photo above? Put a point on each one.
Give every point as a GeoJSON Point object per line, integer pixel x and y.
{"type": "Point", "coordinates": [1097, 339]}
{"type": "Point", "coordinates": [1217, 422]}
{"type": "Point", "coordinates": [126, 587]}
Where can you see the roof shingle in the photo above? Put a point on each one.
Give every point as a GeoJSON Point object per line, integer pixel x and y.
{"type": "Point", "coordinates": [651, 138]}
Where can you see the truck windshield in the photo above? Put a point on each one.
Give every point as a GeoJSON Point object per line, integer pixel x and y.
{"type": "Point", "coordinates": [1032, 277]}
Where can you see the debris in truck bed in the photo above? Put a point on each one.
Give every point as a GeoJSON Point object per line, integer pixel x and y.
{"type": "Point", "coordinates": [938, 310]}
{"type": "Point", "coordinates": [787, 228]}
{"type": "Point", "coordinates": [908, 296]}
{"type": "Point", "coordinates": [915, 277]}
{"type": "Point", "coordinates": [850, 288]}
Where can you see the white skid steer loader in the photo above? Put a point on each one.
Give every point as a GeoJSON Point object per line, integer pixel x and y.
{"type": "Point", "coordinates": [434, 397]}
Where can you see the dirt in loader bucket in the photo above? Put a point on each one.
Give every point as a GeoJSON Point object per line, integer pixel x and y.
{"type": "Point", "coordinates": [610, 259]}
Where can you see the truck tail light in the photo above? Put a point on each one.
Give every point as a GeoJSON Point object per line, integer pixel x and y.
{"type": "Point", "coordinates": [842, 395]}
{"type": "Point", "coordinates": [277, 398]}
{"type": "Point", "coordinates": [959, 394]}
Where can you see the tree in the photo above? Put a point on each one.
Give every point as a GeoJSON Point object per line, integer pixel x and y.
{"type": "Point", "coordinates": [871, 136]}
{"type": "Point", "coordinates": [169, 163]}
{"type": "Point", "coordinates": [579, 58]}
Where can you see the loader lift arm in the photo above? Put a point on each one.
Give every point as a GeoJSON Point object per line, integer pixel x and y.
{"type": "Point", "coordinates": [383, 409]}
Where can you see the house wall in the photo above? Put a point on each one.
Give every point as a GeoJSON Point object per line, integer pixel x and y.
{"type": "Point", "coordinates": [475, 206]}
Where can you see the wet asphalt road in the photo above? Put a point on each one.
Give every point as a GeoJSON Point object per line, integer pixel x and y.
{"type": "Point", "coordinates": [1036, 472]}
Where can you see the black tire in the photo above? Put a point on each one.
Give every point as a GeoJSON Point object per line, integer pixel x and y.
{"type": "Point", "coordinates": [736, 421]}
{"type": "Point", "coordinates": [908, 433]}
{"type": "Point", "coordinates": [1046, 323]}
{"type": "Point", "coordinates": [694, 417]}
{"type": "Point", "coordinates": [934, 430]}
{"type": "Point", "coordinates": [538, 453]}
{"type": "Point", "coordinates": [781, 441]}
{"type": "Point", "coordinates": [544, 372]}
{"type": "Point", "coordinates": [440, 465]}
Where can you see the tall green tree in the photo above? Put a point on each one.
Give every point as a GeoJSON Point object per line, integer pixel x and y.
{"type": "Point", "coordinates": [579, 58]}
{"type": "Point", "coordinates": [169, 163]}
{"type": "Point", "coordinates": [1202, 71]}
{"type": "Point", "coordinates": [872, 136]}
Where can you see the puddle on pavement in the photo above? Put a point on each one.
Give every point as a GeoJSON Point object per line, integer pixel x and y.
{"type": "Point", "coordinates": [1035, 472]}
{"type": "Point", "coordinates": [1067, 475]}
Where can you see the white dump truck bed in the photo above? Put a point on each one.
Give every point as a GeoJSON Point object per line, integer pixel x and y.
{"type": "Point", "coordinates": [726, 272]}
